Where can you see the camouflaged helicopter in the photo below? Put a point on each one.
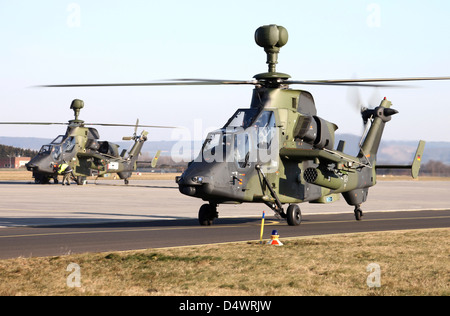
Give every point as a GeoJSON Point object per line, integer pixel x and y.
{"type": "Point", "coordinates": [279, 151]}
{"type": "Point", "coordinates": [81, 149]}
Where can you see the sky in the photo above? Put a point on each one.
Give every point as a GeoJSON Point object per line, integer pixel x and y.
{"type": "Point", "coordinates": [62, 42]}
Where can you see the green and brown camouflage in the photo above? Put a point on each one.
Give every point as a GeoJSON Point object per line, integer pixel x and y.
{"type": "Point", "coordinates": [303, 167]}
{"type": "Point", "coordinates": [81, 148]}
{"type": "Point", "coordinates": [279, 151]}
{"type": "Point", "coordinates": [302, 163]}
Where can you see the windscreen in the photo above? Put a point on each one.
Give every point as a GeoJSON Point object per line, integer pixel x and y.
{"type": "Point", "coordinates": [242, 118]}
{"type": "Point", "coordinates": [58, 140]}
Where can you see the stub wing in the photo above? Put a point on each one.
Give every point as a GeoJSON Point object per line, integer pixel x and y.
{"type": "Point", "coordinates": [299, 154]}
{"type": "Point", "coordinates": [87, 155]}
{"type": "Point", "coordinates": [323, 155]}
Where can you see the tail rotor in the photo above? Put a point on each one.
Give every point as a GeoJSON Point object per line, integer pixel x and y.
{"type": "Point", "coordinates": [365, 108]}
{"type": "Point", "coordinates": [134, 134]}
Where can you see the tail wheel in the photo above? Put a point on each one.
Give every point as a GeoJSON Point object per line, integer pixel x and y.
{"type": "Point", "coordinates": [294, 215]}
{"type": "Point", "coordinates": [358, 213]}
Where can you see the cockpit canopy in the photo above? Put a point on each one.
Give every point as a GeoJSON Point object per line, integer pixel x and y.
{"type": "Point", "coordinates": [246, 129]}
{"type": "Point", "coordinates": [59, 145]}
{"type": "Point", "coordinates": [58, 140]}
{"type": "Point", "coordinates": [245, 118]}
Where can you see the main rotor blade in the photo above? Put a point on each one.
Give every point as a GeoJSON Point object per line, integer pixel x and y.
{"type": "Point", "coordinates": [210, 82]}
{"type": "Point", "coordinates": [338, 84]}
{"type": "Point", "coordinates": [385, 79]}
{"type": "Point", "coordinates": [364, 82]}
{"type": "Point", "coordinates": [99, 124]}
{"type": "Point", "coordinates": [129, 125]}
{"type": "Point", "coordinates": [170, 82]}
{"type": "Point", "coordinates": [216, 81]}
{"type": "Point", "coordinates": [32, 123]}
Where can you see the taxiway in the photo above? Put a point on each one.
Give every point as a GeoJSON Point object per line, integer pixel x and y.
{"type": "Point", "coordinates": [47, 220]}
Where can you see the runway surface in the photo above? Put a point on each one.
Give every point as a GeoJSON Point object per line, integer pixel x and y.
{"type": "Point", "coordinates": [51, 220]}
{"type": "Point", "coordinates": [78, 238]}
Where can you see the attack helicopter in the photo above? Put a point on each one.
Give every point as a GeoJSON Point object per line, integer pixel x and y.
{"type": "Point", "coordinates": [279, 151]}
{"type": "Point", "coordinates": [81, 149]}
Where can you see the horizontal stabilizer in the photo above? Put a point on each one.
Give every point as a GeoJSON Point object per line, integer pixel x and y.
{"type": "Point", "coordinates": [153, 162]}
{"type": "Point", "coordinates": [415, 165]}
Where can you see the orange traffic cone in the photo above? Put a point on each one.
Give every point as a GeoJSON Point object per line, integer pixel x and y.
{"type": "Point", "coordinates": [274, 239]}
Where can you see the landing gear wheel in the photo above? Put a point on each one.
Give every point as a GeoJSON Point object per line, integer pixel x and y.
{"type": "Point", "coordinates": [207, 214]}
{"type": "Point", "coordinates": [358, 213]}
{"type": "Point", "coordinates": [81, 180]}
{"type": "Point", "coordinates": [126, 181]}
{"type": "Point", "coordinates": [41, 179]}
{"type": "Point", "coordinates": [294, 215]}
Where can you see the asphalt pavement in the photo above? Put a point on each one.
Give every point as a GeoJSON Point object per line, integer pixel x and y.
{"type": "Point", "coordinates": [47, 220]}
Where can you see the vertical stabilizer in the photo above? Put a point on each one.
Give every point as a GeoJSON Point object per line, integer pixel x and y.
{"type": "Point", "coordinates": [415, 167]}
{"type": "Point", "coordinates": [155, 159]}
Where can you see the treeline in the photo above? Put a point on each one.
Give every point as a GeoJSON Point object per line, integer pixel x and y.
{"type": "Point", "coordinates": [164, 163]}
{"type": "Point", "coordinates": [11, 151]}
{"type": "Point", "coordinates": [430, 169]}
{"type": "Point", "coordinates": [435, 169]}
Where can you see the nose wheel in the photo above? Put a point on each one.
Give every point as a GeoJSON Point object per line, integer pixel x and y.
{"type": "Point", "coordinates": [207, 213]}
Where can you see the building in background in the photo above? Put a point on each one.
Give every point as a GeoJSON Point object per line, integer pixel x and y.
{"type": "Point", "coordinates": [14, 162]}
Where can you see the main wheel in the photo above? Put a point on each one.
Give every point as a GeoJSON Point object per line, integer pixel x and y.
{"type": "Point", "coordinates": [294, 215]}
{"type": "Point", "coordinates": [41, 179]}
{"type": "Point", "coordinates": [81, 180]}
{"type": "Point", "coordinates": [207, 214]}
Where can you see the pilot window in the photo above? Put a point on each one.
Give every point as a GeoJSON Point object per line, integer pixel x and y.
{"type": "Point", "coordinates": [45, 149]}
{"type": "Point", "coordinates": [266, 129]}
{"type": "Point", "coordinates": [58, 140]}
{"type": "Point", "coordinates": [242, 149]}
{"type": "Point", "coordinates": [69, 144]}
{"type": "Point", "coordinates": [56, 152]}
{"type": "Point", "coordinates": [242, 118]}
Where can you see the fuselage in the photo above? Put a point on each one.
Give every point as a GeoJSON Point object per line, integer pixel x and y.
{"type": "Point", "coordinates": [224, 171]}
{"type": "Point", "coordinates": [280, 150]}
